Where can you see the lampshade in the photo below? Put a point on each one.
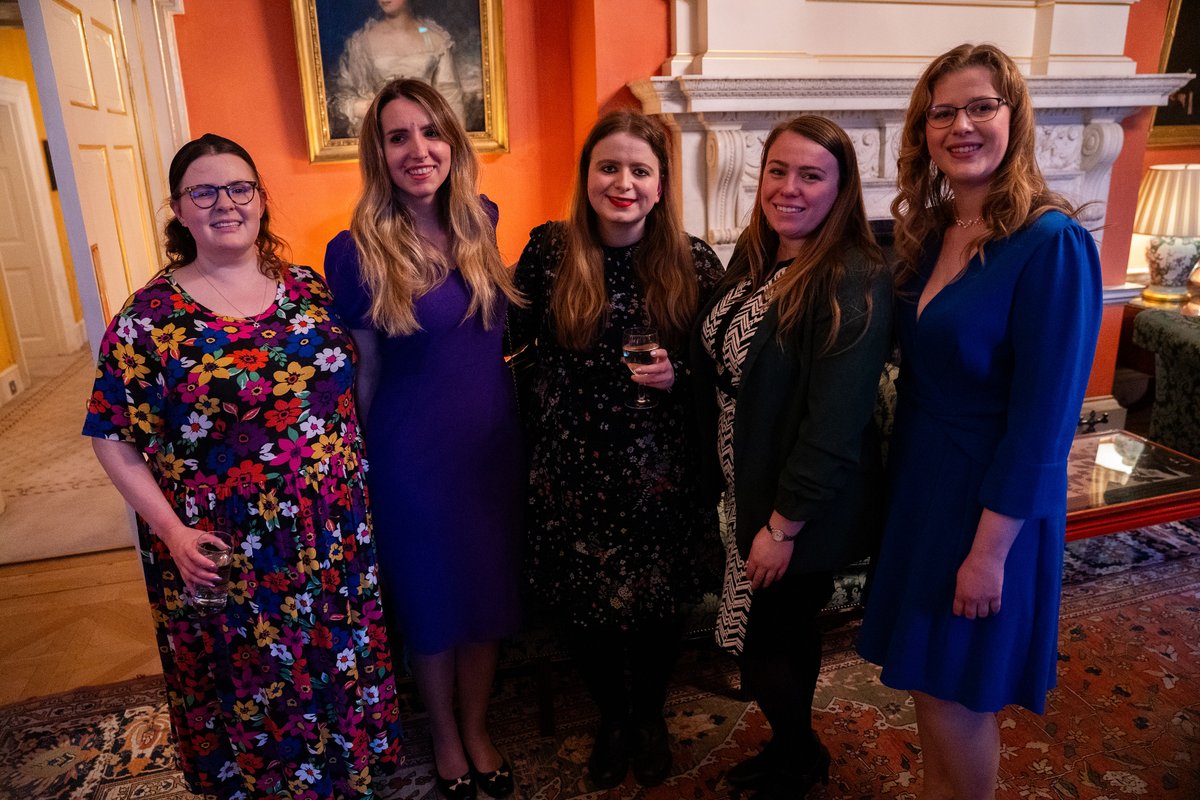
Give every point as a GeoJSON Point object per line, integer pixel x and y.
{"type": "Point", "coordinates": [1169, 201]}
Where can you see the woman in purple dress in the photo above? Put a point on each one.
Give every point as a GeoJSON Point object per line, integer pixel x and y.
{"type": "Point", "coordinates": [420, 282]}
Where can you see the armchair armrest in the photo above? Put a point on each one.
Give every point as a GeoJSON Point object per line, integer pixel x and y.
{"type": "Point", "coordinates": [1169, 335]}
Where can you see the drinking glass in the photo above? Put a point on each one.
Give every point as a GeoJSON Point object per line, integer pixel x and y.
{"type": "Point", "coordinates": [220, 553]}
{"type": "Point", "coordinates": [637, 344]}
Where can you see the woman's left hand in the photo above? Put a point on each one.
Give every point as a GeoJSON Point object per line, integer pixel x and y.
{"type": "Point", "coordinates": [768, 559]}
{"type": "Point", "coordinates": [979, 584]}
{"type": "Point", "coordinates": [659, 375]}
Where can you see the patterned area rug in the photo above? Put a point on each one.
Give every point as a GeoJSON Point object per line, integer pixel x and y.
{"type": "Point", "coordinates": [50, 474]}
{"type": "Point", "coordinates": [1124, 721]}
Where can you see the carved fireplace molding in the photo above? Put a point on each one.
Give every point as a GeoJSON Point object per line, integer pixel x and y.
{"type": "Point", "coordinates": [720, 124]}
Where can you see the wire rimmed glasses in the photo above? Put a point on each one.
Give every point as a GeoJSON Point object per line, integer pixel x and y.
{"type": "Point", "coordinates": [980, 110]}
{"type": "Point", "coordinates": [204, 195]}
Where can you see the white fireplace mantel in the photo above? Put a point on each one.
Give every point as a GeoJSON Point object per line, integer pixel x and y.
{"type": "Point", "coordinates": [720, 124]}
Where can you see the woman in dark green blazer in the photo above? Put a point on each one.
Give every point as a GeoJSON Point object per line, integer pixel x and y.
{"type": "Point", "coordinates": [789, 355]}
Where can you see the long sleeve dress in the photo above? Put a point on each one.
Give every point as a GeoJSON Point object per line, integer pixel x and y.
{"type": "Point", "coordinates": [991, 381]}
{"type": "Point", "coordinates": [447, 475]}
{"type": "Point", "coordinates": [249, 426]}
{"type": "Point", "coordinates": [617, 529]}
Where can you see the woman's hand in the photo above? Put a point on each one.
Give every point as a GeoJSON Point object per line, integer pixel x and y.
{"type": "Point", "coordinates": [979, 585]}
{"type": "Point", "coordinates": [659, 375]}
{"type": "Point", "coordinates": [768, 559]}
{"type": "Point", "coordinates": [195, 568]}
{"type": "Point", "coordinates": [980, 578]}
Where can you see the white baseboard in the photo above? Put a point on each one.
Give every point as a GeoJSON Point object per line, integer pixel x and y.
{"type": "Point", "coordinates": [11, 383]}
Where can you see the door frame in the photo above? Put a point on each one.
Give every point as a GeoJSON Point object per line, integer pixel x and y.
{"type": "Point", "coordinates": [160, 113]}
{"type": "Point", "coordinates": [65, 334]}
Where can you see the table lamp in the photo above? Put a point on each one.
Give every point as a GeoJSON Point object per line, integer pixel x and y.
{"type": "Point", "coordinates": [1168, 210]}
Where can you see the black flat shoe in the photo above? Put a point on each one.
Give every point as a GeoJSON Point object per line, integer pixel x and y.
{"type": "Point", "coordinates": [460, 788]}
{"type": "Point", "coordinates": [609, 761]}
{"type": "Point", "coordinates": [497, 782]}
{"type": "Point", "coordinates": [651, 752]}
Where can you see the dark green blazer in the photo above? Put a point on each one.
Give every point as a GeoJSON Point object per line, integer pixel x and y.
{"type": "Point", "coordinates": [805, 442]}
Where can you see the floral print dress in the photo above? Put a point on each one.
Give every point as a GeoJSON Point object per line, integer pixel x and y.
{"type": "Point", "coordinates": [618, 532]}
{"type": "Point", "coordinates": [248, 425]}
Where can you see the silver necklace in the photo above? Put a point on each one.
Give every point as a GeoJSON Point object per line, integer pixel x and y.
{"type": "Point", "coordinates": [242, 314]}
{"type": "Point", "coordinates": [968, 223]}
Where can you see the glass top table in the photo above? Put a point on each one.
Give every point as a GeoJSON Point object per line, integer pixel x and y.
{"type": "Point", "coordinates": [1118, 480]}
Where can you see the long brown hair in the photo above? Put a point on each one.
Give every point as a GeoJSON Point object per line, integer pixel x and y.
{"type": "Point", "coordinates": [814, 275]}
{"type": "Point", "coordinates": [397, 264]}
{"type": "Point", "coordinates": [662, 263]}
{"type": "Point", "coordinates": [180, 246]}
{"type": "Point", "coordinates": [1018, 193]}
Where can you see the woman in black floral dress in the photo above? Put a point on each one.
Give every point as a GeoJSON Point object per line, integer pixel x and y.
{"type": "Point", "coordinates": [616, 521]}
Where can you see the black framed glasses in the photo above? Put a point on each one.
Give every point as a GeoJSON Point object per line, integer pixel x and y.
{"type": "Point", "coordinates": [981, 110]}
{"type": "Point", "coordinates": [204, 195]}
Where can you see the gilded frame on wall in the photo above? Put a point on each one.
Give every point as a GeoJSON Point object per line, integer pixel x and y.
{"type": "Point", "coordinates": [343, 63]}
{"type": "Point", "coordinates": [1178, 123]}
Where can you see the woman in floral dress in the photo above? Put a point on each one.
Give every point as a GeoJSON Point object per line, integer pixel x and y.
{"type": "Point", "coordinates": [617, 523]}
{"type": "Point", "coordinates": [223, 402]}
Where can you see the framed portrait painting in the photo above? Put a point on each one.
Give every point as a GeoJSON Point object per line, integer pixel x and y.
{"type": "Point", "coordinates": [1177, 124]}
{"type": "Point", "coordinates": [349, 48]}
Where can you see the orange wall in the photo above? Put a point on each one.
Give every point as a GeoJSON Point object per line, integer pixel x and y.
{"type": "Point", "coordinates": [1143, 43]}
{"type": "Point", "coordinates": [259, 104]}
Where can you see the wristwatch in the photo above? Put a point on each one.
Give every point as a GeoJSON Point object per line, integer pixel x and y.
{"type": "Point", "coordinates": [778, 535]}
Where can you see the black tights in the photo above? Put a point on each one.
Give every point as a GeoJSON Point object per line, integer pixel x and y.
{"type": "Point", "coordinates": [781, 657]}
{"type": "Point", "coordinates": [626, 671]}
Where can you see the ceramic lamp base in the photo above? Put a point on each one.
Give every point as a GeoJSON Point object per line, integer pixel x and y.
{"type": "Point", "coordinates": [1170, 260]}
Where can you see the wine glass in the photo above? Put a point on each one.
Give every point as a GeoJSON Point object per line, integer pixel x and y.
{"type": "Point", "coordinates": [636, 346]}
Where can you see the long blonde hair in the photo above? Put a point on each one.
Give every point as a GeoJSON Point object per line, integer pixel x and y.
{"type": "Point", "coordinates": [397, 264]}
{"type": "Point", "coordinates": [663, 261]}
{"type": "Point", "coordinates": [813, 276]}
{"type": "Point", "coordinates": [1018, 193]}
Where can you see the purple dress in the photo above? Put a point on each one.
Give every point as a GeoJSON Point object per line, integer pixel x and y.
{"type": "Point", "coordinates": [447, 470]}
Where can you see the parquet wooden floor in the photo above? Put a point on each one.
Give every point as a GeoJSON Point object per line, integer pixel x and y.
{"type": "Point", "coordinates": [75, 621]}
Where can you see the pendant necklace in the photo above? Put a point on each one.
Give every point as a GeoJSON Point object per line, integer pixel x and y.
{"type": "Point", "coordinates": [244, 316]}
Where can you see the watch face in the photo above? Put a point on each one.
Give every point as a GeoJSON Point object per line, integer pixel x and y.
{"type": "Point", "coordinates": [777, 535]}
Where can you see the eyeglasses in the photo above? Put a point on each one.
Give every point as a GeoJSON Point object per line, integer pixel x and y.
{"type": "Point", "coordinates": [980, 110]}
{"type": "Point", "coordinates": [204, 195]}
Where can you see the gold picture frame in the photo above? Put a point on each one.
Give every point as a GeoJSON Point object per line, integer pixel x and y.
{"type": "Point", "coordinates": [1178, 123]}
{"type": "Point", "coordinates": [461, 53]}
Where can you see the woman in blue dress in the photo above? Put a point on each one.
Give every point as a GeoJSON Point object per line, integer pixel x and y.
{"type": "Point", "coordinates": [998, 318]}
{"type": "Point", "coordinates": [420, 282]}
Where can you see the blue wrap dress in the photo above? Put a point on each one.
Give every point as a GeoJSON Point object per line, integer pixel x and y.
{"type": "Point", "coordinates": [992, 377]}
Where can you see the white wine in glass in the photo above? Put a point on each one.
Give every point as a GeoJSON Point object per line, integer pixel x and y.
{"type": "Point", "coordinates": [636, 347]}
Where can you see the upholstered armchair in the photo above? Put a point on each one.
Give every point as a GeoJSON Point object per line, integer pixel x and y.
{"type": "Point", "coordinates": [1175, 341]}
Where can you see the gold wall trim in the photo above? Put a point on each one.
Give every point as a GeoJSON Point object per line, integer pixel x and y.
{"type": "Point", "coordinates": [116, 212]}
{"type": "Point", "coordinates": [124, 110]}
{"type": "Point", "coordinates": [87, 55]}
{"type": "Point", "coordinates": [156, 253]}
{"type": "Point", "coordinates": [149, 242]}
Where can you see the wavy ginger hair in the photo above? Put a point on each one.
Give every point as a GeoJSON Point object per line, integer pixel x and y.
{"type": "Point", "coordinates": [813, 276]}
{"type": "Point", "coordinates": [662, 262]}
{"type": "Point", "coordinates": [1018, 194]}
{"type": "Point", "coordinates": [397, 264]}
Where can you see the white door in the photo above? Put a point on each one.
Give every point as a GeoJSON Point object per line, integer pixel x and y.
{"type": "Point", "coordinates": [31, 265]}
{"type": "Point", "coordinates": [87, 47]}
